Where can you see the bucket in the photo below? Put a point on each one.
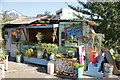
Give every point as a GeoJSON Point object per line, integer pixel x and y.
{"type": "Point", "coordinates": [108, 69]}
{"type": "Point", "coordinates": [94, 57]}
{"type": "Point", "coordinates": [18, 58]}
{"type": "Point", "coordinates": [80, 72]}
{"type": "Point", "coordinates": [50, 67]}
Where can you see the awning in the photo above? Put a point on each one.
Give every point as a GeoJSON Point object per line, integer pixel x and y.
{"type": "Point", "coordinates": [47, 26]}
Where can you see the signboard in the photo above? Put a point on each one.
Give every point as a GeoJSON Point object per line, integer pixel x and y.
{"type": "Point", "coordinates": [74, 30]}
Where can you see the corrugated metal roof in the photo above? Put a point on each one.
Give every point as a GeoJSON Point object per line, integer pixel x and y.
{"type": "Point", "coordinates": [27, 20]}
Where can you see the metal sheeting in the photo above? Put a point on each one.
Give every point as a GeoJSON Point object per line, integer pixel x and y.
{"type": "Point", "coordinates": [27, 20]}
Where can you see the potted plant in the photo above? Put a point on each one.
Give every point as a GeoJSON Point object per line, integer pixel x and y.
{"type": "Point", "coordinates": [51, 50]}
{"type": "Point", "coordinates": [71, 52]}
{"type": "Point", "coordinates": [79, 68]}
{"type": "Point", "coordinates": [40, 52]}
{"type": "Point", "coordinates": [3, 55]}
{"type": "Point", "coordinates": [71, 42]}
{"type": "Point", "coordinates": [18, 55]}
{"type": "Point", "coordinates": [40, 48]}
{"type": "Point", "coordinates": [59, 55]}
{"type": "Point", "coordinates": [28, 53]}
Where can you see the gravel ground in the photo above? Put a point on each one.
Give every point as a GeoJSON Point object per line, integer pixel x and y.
{"type": "Point", "coordinates": [27, 70]}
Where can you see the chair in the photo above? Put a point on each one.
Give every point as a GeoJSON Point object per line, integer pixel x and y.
{"type": "Point", "coordinates": [93, 69]}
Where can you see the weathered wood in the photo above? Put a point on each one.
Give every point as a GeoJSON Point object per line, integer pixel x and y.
{"type": "Point", "coordinates": [25, 34]}
{"type": "Point", "coordinates": [110, 60]}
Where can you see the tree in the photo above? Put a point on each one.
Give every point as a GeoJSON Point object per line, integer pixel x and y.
{"type": "Point", "coordinates": [4, 19]}
{"type": "Point", "coordinates": [106, 14]}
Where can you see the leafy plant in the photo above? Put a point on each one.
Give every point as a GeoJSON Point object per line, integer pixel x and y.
{"type": "Point", "coordinates": [39, 36]}
{"type": "Point", "coordinates": [5, 32]}
{"type": "Point", "coordinates": [17, 52]}
{"type": "Point", "coordinates": [78, 65]}
{"type": "Point", "coordinates": [67, 41]}
{"type": "Point", "coordinates": [50, 48]}
{"type": "Point", "coordinates": [28, 53]}
{"type": "Point", "coordinates": [59, 55]}
{"type": "Point", "coordinates": [116, 57]}
{"type": "Point", "coordinates": [3, 54]}
{"type": "Point", "coordinates": [70, 51]}
{"type": "Point", "coordinates": [71, 40]}
{"type": "Point", "coordinates": [107, 16]}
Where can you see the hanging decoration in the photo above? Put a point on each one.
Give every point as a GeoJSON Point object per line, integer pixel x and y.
{"type": "Point", "coordinates": [16, 35]}
{"type": "Point", "coordinates": [54, 35]}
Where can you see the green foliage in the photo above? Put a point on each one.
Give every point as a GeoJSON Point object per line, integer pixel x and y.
{"type": "Point", "coordinates": [39, 36]}
{"type": "Point", "coordinates": [67, 41]}
{"type": "Point", "coordinates": [3, 54]}
{"type": "Point", "coordinates": [78, 65]}
{"type": "Point", "coordinates": [116, 57]}
{"type": "Point", "coordinates": [17, 52]}
{"type": "Point", "coordinates": [51, 48]}
{"type": "Point", "coordinates": [5, 32]}
{"type": "Point", "coordinates": [70, 51]}
{"type": "Point", "coordinates": [29, 52]}
{"type": "Point", "coordinates": [59, 55]}
{"type": "Point", "coordinates": [6, 17]}
{"type": "Point", "coordinates": [48, 47]}
{"type": "Point", "coordinates": [105, 14]}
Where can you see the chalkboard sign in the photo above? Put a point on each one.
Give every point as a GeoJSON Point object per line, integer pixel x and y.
{"type": "Point", "coordinates": [74, 30]}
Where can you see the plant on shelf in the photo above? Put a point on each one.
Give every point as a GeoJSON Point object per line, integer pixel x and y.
{"type": "Point", "coordinates": [77, 65]}
{"type": "Point", "coordinates": [79, 68]}
{"type": "Point", "coordinates": [17, 52]}
{"type": "Point", "coordinates": [71, 52]}
{"type": "Point", "coordinates": [71, 41]}
{"type": "Point", "coordinates": [59, 55]}
{"type": "Point", "coordinates": [39, 37]}
{"type": "Point", "coordinates": [40, 49]}
{"type": "Point", "coordinates": [29, 52]}
{"type": "Point", "coordinates": [51, 48]}
{"type": "Point", "coordinates": [18, 55]}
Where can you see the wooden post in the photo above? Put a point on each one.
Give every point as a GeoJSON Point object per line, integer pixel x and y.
{"type": "Point", "coordinates": [25, 34]}
{"type": "Point", "coordinates": [110, 60]}
{"type": "Point", "coordinates": [3, 73]}
{"type": "Point", "coordinates": [6, 63]}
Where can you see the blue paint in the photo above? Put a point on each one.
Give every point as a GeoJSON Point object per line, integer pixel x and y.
{"type": "Point", "coordinates": [108, 71]}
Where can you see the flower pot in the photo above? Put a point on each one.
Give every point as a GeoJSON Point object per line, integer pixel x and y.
{"type": "Point", "coordinates": [80, 72]}
{"type": "Point", "coordinates": [18, 58]}
{"type": "Point", "coordinates": [52, 56]}
{"type": "Point", "coordinates": [39, 54]}
{"type": "Point", "coordinates": [2, 62]}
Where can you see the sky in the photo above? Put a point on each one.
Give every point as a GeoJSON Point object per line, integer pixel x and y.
{"type": "Point", "coordinates": [33, 7]}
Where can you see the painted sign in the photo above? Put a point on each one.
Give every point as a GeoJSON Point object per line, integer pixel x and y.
{"type": "Point", "coordinates": [65, 66]}
{"type": "Point", "coordinates": [74, 30]}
